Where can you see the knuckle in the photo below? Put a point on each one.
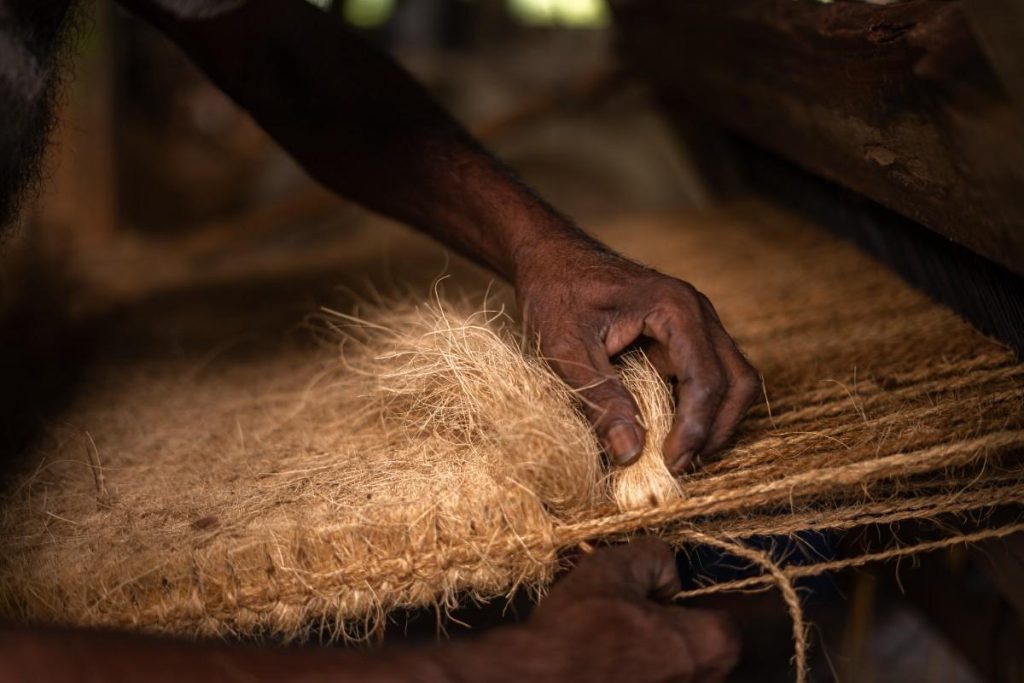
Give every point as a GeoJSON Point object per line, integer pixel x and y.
{"type": "Point", "coordinates": [662, 319]}
{"type": "Point", "coordinates": [677, 305]}
{"type": "Point", "coordinates": [611, 392]}
{"type": "Point", "coordinates": [692, 300]}
{"type": "Point", "coordinates": [683, 288]}
{"type": "Point", "coordinates": [608, 401]}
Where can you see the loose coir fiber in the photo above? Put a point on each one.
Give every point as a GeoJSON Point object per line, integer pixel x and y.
{"type": "Point", "coordinates": [425, 455]}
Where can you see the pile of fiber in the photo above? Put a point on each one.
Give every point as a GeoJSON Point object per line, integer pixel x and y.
{"type": "Point", "coordinates": [424, 454]}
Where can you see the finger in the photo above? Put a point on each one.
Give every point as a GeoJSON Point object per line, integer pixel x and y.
{"type": "Point", "coordinates": [607, 403]}
{"type": "Point", "coordinates": [697, 401]}
{"type": "Point", "coordinates": [700, 386]}
{"type": "Point", "coordinates": [644, 568]}
{"type": "Point", "coordinates": [713, 640]}
{"type": "Point", "coordinates": [744, 386]}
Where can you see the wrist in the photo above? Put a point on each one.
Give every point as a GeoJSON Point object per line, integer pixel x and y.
{"type": "Point", "coordinates": [549, 249]}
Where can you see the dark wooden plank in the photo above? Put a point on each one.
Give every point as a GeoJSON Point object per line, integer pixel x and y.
{"type": "Point", "coordinates": [896, 102]}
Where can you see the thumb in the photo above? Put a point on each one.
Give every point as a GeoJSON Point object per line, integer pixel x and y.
{"type": "Point", "coordinates": [607, 403]}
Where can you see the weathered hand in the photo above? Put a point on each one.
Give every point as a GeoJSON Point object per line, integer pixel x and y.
{"type": "Point", "coordinates": [606, 621]}
{"type": "Point", "coordinates": [589, 304]}
{"type": "Point", "coordinates": [603, 622]}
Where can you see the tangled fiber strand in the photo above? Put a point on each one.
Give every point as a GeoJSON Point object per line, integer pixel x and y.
{"type": "Point", "coordinates": [781, 579]}
{"type": "Point", "coordinates": [427, 456]}
{"type": "Point", "coordinates": [818, 568]}
{"type": "Point", "coordinates": [648, 482]}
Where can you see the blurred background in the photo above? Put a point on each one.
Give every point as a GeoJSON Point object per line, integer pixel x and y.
{"type": "Point", "coordinates": [155, 179]}
{"type": "Point", "coordinates": [147, 144]}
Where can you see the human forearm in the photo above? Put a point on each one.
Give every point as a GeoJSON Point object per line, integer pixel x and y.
{"type": "Point", "coordinates": [365, 129]}
{"type": "Point", "coordinates": [598, 623]}
{"type": "Point", "coordinates": [59, 655]}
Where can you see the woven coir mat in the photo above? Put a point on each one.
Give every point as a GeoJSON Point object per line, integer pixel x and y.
{"type": "Point", "coordinates": [421, 454]}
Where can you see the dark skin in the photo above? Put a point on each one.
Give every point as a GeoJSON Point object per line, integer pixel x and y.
{"type": "Point", "coordinates": [371, 133]}
{"type": "Point", "coordinates": [364, 128]}
{"type": "Point", "coordinates": [606, 621]}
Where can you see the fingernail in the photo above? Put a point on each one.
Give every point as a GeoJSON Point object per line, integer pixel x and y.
{"type": "Point", "coordinates": [682, 464]}
{"type": "Point", "coordinates": [623, 443]}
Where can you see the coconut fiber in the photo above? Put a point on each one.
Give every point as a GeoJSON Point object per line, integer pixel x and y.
{"type": "Point", "coordinates": [424, 454]}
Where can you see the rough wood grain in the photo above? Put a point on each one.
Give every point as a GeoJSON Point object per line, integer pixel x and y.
{"type": "Point", "coordinates": [896, 102]}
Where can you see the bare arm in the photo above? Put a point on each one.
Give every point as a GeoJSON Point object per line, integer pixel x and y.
{"type": "Point", "coordinates": [365, 129]}
{"type": "Point", "coordinates": [605, 621]}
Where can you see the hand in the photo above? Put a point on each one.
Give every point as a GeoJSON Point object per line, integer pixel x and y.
{"type": "Point", "coordinates": [589, 304]}
{"type": "Point", "coordinates": [603, 622]}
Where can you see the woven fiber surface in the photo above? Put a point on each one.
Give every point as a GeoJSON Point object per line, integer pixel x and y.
{"type": "Point", "coordinates": [422, 454]}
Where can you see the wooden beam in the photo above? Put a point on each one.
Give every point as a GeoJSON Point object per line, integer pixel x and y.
{"type": "Point", "coordinates": [895, 101]}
